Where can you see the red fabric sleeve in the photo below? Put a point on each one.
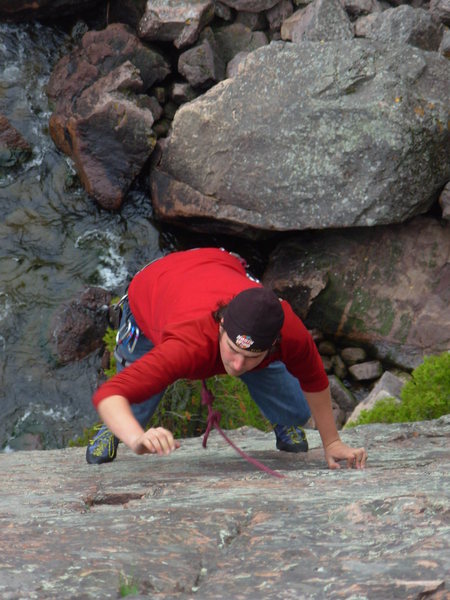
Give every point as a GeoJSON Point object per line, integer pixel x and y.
{"type": "Point", "coordinates": [188, 351]}
{"type": "Point", "coordinates": [299, 353]}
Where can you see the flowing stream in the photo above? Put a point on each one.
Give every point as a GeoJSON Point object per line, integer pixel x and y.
{"type": "Point", "coordinates": [54, 242]}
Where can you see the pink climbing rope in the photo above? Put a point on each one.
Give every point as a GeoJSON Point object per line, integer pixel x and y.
{"type": "Point", "coordinates": [214, 420]}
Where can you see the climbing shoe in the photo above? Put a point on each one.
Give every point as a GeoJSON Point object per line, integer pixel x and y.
{"type": "Point", "coordinates": [291, 438]}
{"type": "Point", "coordinates": [102, 447]}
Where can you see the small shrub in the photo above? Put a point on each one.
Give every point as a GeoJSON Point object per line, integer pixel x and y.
{"type": "Point", "coordinates": [127, 586]}
{"type": "Point", "coordinates": [83, 439]}
{"type": "Point", "coordinates": [426, 396]}
{"type": "Point", "coordinates": [182, 412]}
{"type": "Point", "coordinates": [109, 340]}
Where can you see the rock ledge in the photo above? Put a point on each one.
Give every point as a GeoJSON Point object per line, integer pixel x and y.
{"type": "Point", "coordinates": [205, 524]}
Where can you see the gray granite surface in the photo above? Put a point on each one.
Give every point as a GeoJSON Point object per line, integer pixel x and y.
{"type": "Point", "coordinates": [205, 524]}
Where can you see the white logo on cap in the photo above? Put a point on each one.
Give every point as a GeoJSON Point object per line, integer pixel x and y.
{"type": "Point", "coordinates": [244, 341]}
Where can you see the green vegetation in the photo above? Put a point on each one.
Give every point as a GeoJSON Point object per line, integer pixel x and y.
{"type": "Point", "coordinates": [110, 342]}
{"type": "Point", "coordinates": [426, 396]}
{"type": "Point", "coordinates": [181, 410]}
{"type": "Point", "coordinates": [127, 586]}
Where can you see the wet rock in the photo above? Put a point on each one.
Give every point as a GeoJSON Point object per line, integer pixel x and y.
{"type": "Point", "coordinates": [322, 20]}
{"type": "Point", "coordinates": [406, 25]}
{"type": "Point", "coordinates": [102, 120]}
{"type": "Point", "coordinates": [388, 386]}
{"type": "Point", "coordinates": [366, 371]}
{"type": "Point", "coordinates": [111, 136]}
{"type": "Point", "coordinates": [341, 158]}
{"type": "Point", "coordinates": [78, 327]}
{"type": "Point", "coordinates": [207, 524]}
{"type": "Point", "coordinates": [387, 287]}
{"type": "Point", "coordinates": [14, 149]}
{"type": "Point", "coordinates": [177, 22]}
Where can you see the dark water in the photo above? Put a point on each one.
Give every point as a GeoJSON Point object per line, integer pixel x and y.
{"type": "Point", "coordinates": [54, 241]}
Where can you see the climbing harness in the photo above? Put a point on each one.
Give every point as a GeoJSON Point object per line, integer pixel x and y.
{"type": "Point", "coordinates": [128, 333]}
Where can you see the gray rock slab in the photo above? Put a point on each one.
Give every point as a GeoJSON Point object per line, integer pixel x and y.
{"type": "Point", "coordinates": [206, 524]}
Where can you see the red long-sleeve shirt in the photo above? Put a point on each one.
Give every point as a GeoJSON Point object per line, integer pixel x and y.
{"type": "Point", "coordinates": [172, 301]}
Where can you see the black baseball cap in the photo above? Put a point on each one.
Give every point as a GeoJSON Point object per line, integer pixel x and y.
{"type": "Point", "coordinates": [253, 319]}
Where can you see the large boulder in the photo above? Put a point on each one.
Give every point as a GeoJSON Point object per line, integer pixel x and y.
{"type": "Point", "coordinates": [311, 136]}
{"type": "Point", "coordinates": [384, 287]}
{"type": "Point", "coordinates": [102, 118]}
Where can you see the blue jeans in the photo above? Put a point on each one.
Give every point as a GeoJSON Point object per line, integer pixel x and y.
{"type": "Point", "coordinates": [275, 391]}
